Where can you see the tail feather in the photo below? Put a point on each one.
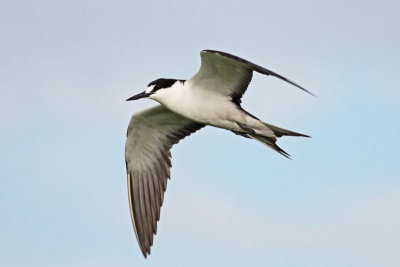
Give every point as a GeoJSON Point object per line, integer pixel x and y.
{"type": "Point", "coordinates": [279, 132]}
{"type": "Point", "coordinates": [270, 142]}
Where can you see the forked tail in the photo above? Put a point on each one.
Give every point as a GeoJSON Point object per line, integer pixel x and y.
{"type": "Point", "coordinates": [271, 141]}
{"type": "Point", "coordinates": [279, 132]}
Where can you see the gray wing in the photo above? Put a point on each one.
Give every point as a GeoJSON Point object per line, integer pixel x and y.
{"type": "Point", "coordinates": [229, 74]}
{"type": "Point", "coordinates": [151, 134]}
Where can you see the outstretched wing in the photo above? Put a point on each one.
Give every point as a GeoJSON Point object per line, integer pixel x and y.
{"type": "Point", "coordinates": [228, 74]}
{"type": "Point", "coordinates": [151, 134]}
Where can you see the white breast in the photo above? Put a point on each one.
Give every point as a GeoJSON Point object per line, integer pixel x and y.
{"type": "Point", "coordinates": [205, 106]}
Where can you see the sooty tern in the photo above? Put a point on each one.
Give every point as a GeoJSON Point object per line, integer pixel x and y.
{"type": "Point", "coordinates": [211, 97]}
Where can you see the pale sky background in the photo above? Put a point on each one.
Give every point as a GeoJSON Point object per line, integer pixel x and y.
{"type": "Point", "coordinates": [66, 68]}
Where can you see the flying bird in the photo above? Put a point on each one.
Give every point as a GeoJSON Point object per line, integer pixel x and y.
{"type": "Point", "coordinates": [211, 97]}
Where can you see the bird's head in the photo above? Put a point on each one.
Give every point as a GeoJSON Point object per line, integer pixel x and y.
{"type": "Point", "coordinates": [156, 89]}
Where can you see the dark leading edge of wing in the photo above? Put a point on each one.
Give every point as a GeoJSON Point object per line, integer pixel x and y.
{"type": "Point", "coordinates": [151, 134]}
{"type": "Point", "coordinates": [257, 68]}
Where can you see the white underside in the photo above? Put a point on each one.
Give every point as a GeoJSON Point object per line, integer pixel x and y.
{"type": "Point", "coordinates": [207, 107]}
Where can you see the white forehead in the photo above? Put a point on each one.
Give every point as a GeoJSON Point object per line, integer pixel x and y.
{"type": "Point", "coordinates": [150, 88]}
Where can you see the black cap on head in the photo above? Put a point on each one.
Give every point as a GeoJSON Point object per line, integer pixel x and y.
{"type": "Point", "coordinates": [158, 84]}
{"type": "Point", "coordinates": [163, 83]}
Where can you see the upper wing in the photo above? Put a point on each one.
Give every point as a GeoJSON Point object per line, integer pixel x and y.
{"type": "Point", "coordinates": [229, 74]}
{"type": "Point", "coordinates": [151, 134]}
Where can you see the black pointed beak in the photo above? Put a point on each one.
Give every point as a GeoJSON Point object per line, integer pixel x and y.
{"type": "Point", "coordinates": [138, 96]}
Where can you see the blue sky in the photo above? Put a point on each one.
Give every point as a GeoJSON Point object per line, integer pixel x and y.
{"type": "Point", "coordinates": [67, 67]}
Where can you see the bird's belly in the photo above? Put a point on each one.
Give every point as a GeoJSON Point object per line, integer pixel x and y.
{"type": "Point", "coordinates": [218, 112]}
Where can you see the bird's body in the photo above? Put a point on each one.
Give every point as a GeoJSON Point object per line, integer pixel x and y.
{"type": "Point", "coordinates": [207, 107]}
{"type": "Point", "coordinates": [211, 97]}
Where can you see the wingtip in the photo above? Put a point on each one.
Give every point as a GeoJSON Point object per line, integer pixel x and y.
{"type": "Point", "coordinates": [144, 254]}
{"type": "Point", "coordinates": [145, 251]}
{"type": "Point", "coordinates": [314, 95]}
{"type": "Point", "coordinates": [302, 88]}
{"type": "Point", "coordinates": [142, 247]}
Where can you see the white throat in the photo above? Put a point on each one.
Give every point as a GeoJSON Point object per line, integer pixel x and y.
{"type": "Point", "coordinates": [166, 95]}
